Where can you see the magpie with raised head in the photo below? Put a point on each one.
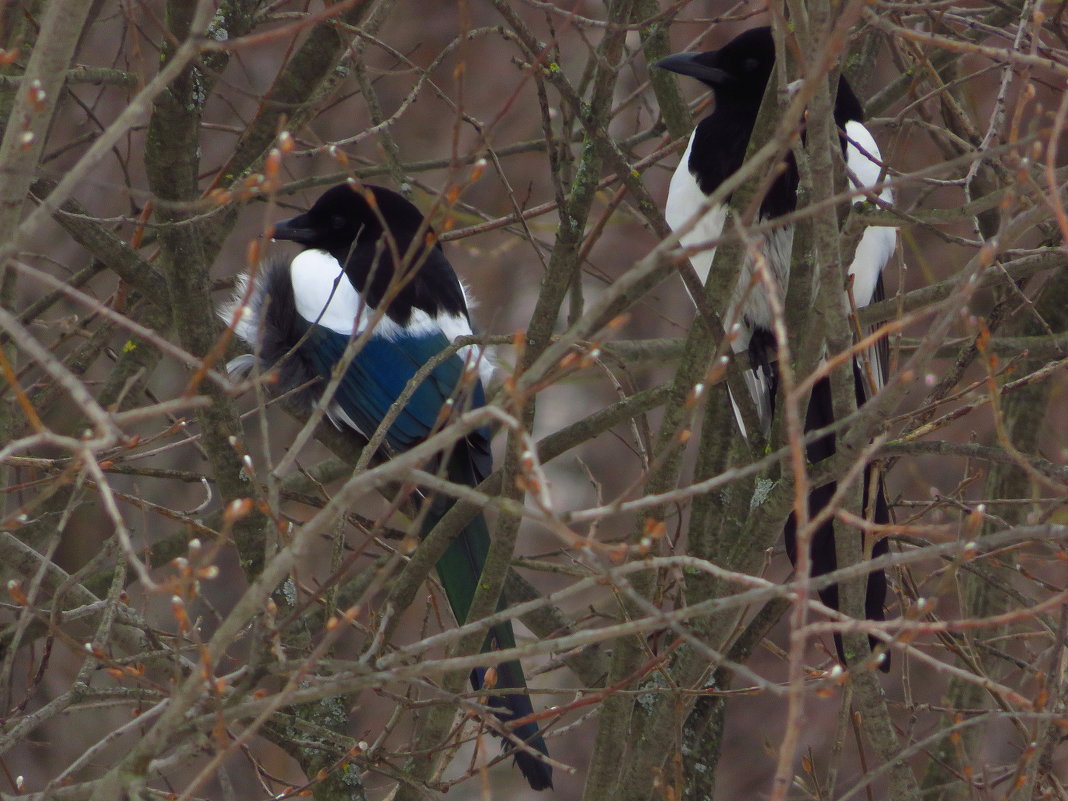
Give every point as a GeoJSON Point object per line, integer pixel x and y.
{"type": "Point", "coordinates": [738, 75]}
{"type": "Point", "coordinates": [371, 261]}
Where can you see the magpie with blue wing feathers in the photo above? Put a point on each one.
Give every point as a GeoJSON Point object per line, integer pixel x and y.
{"type": "Point", "coordinates": [738, 75]}
{"type": "Point", "coordinates": [370, 260]}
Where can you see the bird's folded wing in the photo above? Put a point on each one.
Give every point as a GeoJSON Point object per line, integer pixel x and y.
{"type": "Point", "coordinates": [379, 374]}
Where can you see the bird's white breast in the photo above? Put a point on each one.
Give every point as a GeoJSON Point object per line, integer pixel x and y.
{"type": "Point", "coordinates": [684, 198]}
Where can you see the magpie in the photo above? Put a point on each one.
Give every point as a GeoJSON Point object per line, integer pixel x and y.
{"type": "Point", "coordinates": [738, 74]}
{"type": "Point", "coordinates": [370, 260]}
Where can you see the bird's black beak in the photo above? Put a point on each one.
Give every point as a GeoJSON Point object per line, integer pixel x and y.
{"type": "Point", "coordinates": [695, 65]}
{"type": "Point", "coordinates": [295, 229]}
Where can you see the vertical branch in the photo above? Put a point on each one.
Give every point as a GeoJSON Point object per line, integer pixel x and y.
{"type": "Point", "coordinates": [172, 163]}
{"type": "Point", "coordinates": [655, 46]}
{"type": "Point", "coordinates": [25, 134]}
{"type": "Point", "coordinates": [820, 171]}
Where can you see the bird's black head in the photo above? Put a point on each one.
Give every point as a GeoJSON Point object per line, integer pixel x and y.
{"type": "Point", "coordinates": [738, 72]}
{"type": "Point", "coordinates": [342, 216]}
{"type": "Point", "coordinates": [350, 223]}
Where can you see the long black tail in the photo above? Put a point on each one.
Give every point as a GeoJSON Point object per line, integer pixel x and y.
{"type": "Point", "coordinates": [822, 549]}
{"type": "Point", "coordinates": [460, 569]}
{"type": "Point", "coordinates": [537, 772]}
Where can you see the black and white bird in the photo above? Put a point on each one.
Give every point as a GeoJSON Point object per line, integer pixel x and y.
{"type": "Point", "coordinates": [738, 74]}
{"type": "Point", "coordinates": [371, 261]}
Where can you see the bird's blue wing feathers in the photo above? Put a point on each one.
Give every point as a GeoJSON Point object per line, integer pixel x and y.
{"type": "Point", "coordinates": [381, 371]}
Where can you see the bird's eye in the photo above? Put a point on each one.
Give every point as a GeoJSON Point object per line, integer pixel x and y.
{"type": "Point", "coordinates": [338, 222]}
{"type": "Point", "coordinates": [751, 64]}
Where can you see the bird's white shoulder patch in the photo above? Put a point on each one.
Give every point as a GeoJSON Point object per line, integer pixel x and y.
{"type": "Point", "coordinates": [877, 244]}
{"type": "Point", "coordinates": [457, 326]}
{"type": "Point", "coordinates": [864, 160]}
{"type": "Point", "coordinates": [874, 250]}
{"type": "Point", "coordinates": [684, 198]}
{"type": "Point", "coordinates": [320, 287]}
{"type": "Point", "coordinates": [323, 293]}
{"type": "Point", "coordinates": [451, 326]}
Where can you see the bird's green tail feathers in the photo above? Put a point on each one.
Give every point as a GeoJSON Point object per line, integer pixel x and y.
{"type": "Point", "coordinates": [460, 570]}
